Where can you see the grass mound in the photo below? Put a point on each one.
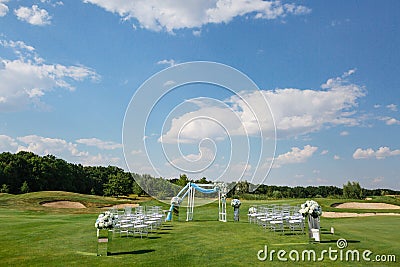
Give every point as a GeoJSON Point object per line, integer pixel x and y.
{"type": "Point", "coordinates": [35, 201]}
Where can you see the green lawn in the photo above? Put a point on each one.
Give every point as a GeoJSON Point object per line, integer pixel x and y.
{"type": "Point", "coordinates": [35, 236]}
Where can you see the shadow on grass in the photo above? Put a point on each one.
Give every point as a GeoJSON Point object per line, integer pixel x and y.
{"type": "Point", "coordinates": [135, 252]}
{"type": "Point", "coordinates": [335, 241]}
{"type": "Point", "coordinates": [143, 237]}
{"type": "Point", "coordinates": [153, 237]}
{"type": "Point", "coordinates": [293, 233]}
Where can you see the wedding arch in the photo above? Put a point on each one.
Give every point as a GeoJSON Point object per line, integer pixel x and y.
{"type": "Point", "coordinates": [189, 191]}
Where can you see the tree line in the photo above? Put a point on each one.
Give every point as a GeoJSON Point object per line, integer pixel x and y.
{"type": "Point", "coordinates": [25, 172]}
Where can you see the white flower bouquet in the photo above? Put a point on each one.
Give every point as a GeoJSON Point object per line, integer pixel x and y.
{"type": "Point", "coordinates": [176, 201]}
{"type": "Point", "coordinates": [252, 210]}
{"type": "Point", "coordinates": [236, 203]}
{"type": "Point", "coordinates": [105, 220]}
{"type": "Point", "coordinates": [312, 208]}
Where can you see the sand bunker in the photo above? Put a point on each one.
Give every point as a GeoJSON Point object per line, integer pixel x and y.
{"type": "Point", "coordinates": [122, 206]}
{"type": "Point", "coordinates": [358, 205]}
{"type": "Point", "coordinates": [372, 206]}
{"type": "Point", "coordinates": [64, 205]}
{"type": "Point", "coordinates": [330, 214]}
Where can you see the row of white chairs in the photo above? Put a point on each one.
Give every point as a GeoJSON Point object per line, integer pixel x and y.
{"type": "Point", "coordinates": [140, 222]}
{"type": "Point", "coordinates": [278, 218]}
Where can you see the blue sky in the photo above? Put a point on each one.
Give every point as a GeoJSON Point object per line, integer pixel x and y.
{"type": "Point", "coordinates": [329, 71]}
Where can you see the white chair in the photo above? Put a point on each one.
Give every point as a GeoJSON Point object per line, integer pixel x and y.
{"type": "Point", "coordinates": [128, 210]}
{"type": "Point", "coordinates": [140, 228]}
{"type": "Point", "coordinates": [126, 226]}
{"type": "Point", "coordinates": [296, 224]}
{"type": "Point", "coordinates": [277, 225]}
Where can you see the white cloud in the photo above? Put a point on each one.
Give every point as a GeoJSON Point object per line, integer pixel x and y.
{"type": "Point", "coordinates": [194, 161]}
{"type": "Point", "coordinates": [299, 111]}
{"type": "Point", "coordinates": [33, 15]}
{"type": "Point", "coordinates": [196, 33]}
{"type": "Point", "coordinates": [69, 151]}
{"type": "Point", "coordinates": [381, 153]}
{"type": "Point", "coordinates": [18, 46]}
{"type": "Point", "coordinates": [295, 111]}
{"type": "Point", "coordinates": [52, 3]}
{"type": "Point", "coordinates": [102, 160]}
{"type": "Point", "coordinates": [349, 72]}
{"type": "Point", "coordinates": [27, 79]}
{"type": "Point", "coordinates": [169, 83]}
{"type": "Point", "coordinates": [392, 107]}
{"type": "Point", "coordinates": [377, 106]}
{"type": "Point", "coordinates": [390, 121]}
{"type": "Point", "coordinates": [3, 8]}
{"type": "Point", "coordinates": [296, 155]}
{"type": "Point", "coordinates": [169, 62]}
{"type": "Point", "coordinates": [215, 122]}
{"type": "Point", "coordinates": [170, 15]}
{"type": "Point", "coordinates": [105, 145]}
{"type": "Point", "coordinates": [324, 152]}
{"type": "Point", "coordinates": [336, 157]}
{"type": "Point", "coordinates": [8, 144]}
{"type": "Point", "coordinates": [344, 133]}
{"type": "Point", "coordinates": [44, 145]}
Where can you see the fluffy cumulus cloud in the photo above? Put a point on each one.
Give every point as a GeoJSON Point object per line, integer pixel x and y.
{"type": "Point", "coordinates": [214, 120]}
{"type": "Point", "coordinates": [70, 151]}
{"type": "Point", "coordinates": [295, 112]}
{"type": "Point", "coordinates": [27, 78]}
{"type": "Point", "coordinates": [33, 15]}
{"type": "Point", "coordinates": [296, 155]}
{"type": "Point", "coordinates": [172, 15]}
{"type": "Point", "coordinates": [299, 111]}
{"type": "Point", "coordinates": [392, 107]}
{"type": "Point", "coordinates": [3, 8]}
{"type": "Point", "coordinates": [390, 121]}
{"type": "Point", "coordinates": [8, 144]}
{"type": "Point", "coordinates": [381, 153]}
{"type": "Point", "coordinates": [195, 161]}
{"type": "Point", "coordinates": [169, 62]}
{"type": "Point", "coordinates": [44, 145]}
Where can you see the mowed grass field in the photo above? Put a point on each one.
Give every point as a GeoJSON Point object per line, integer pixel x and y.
{"type": "Point", "coordinates": [33, 235]}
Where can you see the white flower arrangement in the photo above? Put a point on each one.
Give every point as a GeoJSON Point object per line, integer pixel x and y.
{"type": "Point", "coordinates": [236, 203]}
{"type": "Point", "coordinates": [252, 210]}
{"type": "Point", "coordinates": [221, 187]}
{"type": "Point", "coordinates": [105, 220]}
{"type": "Point", "coordinates": [176, 201]}
{"type": "Point", "coordinates": [312, 208]}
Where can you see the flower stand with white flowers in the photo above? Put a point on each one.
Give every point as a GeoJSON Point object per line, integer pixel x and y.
{"type": "Point", "coordinates": [312, 210]}
{"type": "Point", "coordinates": [104, 224]}
{"type": "Point", "coordinates": [235, 203]}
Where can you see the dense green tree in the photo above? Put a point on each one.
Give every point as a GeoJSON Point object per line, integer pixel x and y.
{"type": "Point", "coordinates": [183, 180]}
{"type": "Point", "coordinates": [25, 187]}
{"type": "Point", "coordinates": [119, 184]}
{"type": "Point", "coordinates": [30, 172]}
{"type": "Point", "coordinates": [242, 187]}
{"type": "Point", "coordinates": [352, 190]}
{"type": "Point", "coordinates": [277, 194]}
{"type": "Point", "coordinates": [202, 181]}
{"type": "Point", "coordinates": [4, 189]}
